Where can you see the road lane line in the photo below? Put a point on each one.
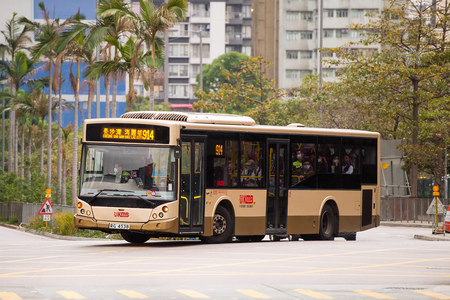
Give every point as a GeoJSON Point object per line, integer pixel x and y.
{"type": "Point", "coordinates": [254, 294]}
{"type": "Point", "coordinates": [9, 296]}
{"type": "Point", "coordinates": [132, 294]}
{"type": "Point", "coordinates": [313, 294]}
{"type": "Point", "coordinates": [432, 294]}
{"type": "Point", "coordinates": [70, 295]}
{"type": "Point", "coordinates": [192, 294]}
{"type": "Point", "coordinates": [373, 294]}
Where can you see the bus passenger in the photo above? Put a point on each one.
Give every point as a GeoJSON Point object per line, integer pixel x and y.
{"type": "Point", "coordinates": [322, 166]}
{"type": "Point", "coordinates": [250, 175]}
{"type": "Point", "coordinates": [347, 167]}
{"type": "Point", "coordinates": [335, 169]}
{"type": "Point", "coordinates": [302, 173]}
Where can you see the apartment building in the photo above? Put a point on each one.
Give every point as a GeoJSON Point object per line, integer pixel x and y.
{"type": "Point", "coordinates": [287, 33]}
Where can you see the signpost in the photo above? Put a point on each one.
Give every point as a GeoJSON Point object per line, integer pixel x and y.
{"type": "Point", "coordinates": [46, 209]}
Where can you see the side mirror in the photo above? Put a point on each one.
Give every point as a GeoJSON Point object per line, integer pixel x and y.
{"type": "Point", "coordinates": [177, 152]}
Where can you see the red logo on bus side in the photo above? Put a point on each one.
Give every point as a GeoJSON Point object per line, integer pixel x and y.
{"type": "Point", "coordinates": [246, 199]}
{"type": "Point", "coordinates": [121, 214]}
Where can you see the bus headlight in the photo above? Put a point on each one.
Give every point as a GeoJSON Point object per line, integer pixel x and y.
{"type": "Point", "coordinates": [165, 209]}
{"type": "Point", "coordinates": [79, 205]}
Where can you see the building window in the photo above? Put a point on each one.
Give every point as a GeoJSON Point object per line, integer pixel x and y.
{"type": "Point", "coordinates": [196, 51]}
{"type": "Point", "coordinates": [247, 50]}
{"type": "Point", "coordinates": [200, 10]}
{"type": "Point", "coordinates": [292, 35]}
{"type": "Point", "coordinates": [307, 16]}
{"type": "Point", "coordinates": [328, 13]}
{"type": "Point", "coordinates": [292, 54]}
{"type": "Point", "coordinates": [246, 11]}
{"type": "Point", "coordinates": [327, 33]}
{"type": "Point", "coordinates": [305, 54]}
{"type": "Point", "coordinates": [178, 70]}
{"type": "Point", "coordinates": [178, 91]}
{"type": "Point", "coordinates": [342, 33]}
{"type": "Point", "coordinates": [292, 15]}
{"type": "Point", "coordinates": [177, 50]}
{"type": "Point", "coordinates": [342, 13]}
{"type": "Point", "coordinates": [307, 35]}
{"type": "Point", "coordinates": [247, 32]}
{"type": "Point", "coordinates": [329, 72]}
{"type": "Point", "coordinates": [357, 13]}
{"type": "Point", "coordinates": [292, 74]}
{"type": "Point", "coordinates": [179, 30]}
{"type": "Point", "coordinates": [195, 70]}
{"type": "Point", "coordinates": [173, 70]}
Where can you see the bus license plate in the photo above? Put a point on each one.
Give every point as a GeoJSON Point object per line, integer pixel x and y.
{"type": "Point", "coordinates": [119, 226]}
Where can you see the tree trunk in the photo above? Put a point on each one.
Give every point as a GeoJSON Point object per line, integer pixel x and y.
{"type": "Point", "coordinates": [41, 167]}
{"type": "Point", "coordinates": [114, 95]}
{"type": "Point", "coordinates": [107, 79]}
{"type": "Point", "coordinates": [63, 182]}
{"type": "Point", "coordinates": [16, 145]}
{"type": "Point", "coordinates": [12, 121]}
{"type": "Point", "coordinates": [49, 116]}
{"type": "Point", "coordinates": [413, 172]}
{"type": "Point", "coordinates": [151, 103]}
{"type": "Point", "coordinates": [29, 154]}
{"type": "Point", "coordinates": [22, 154]}
{"type": "Point", "coordinates": [59, 163]}
{"type": "Point", "coordinates": [75, 136]}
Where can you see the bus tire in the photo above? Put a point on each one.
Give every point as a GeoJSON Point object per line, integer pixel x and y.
{"type": "Point", "coordinates": [134, 237]}
{"type": "Point", "coordinates": [222, 227]}
{"type": "Point", "coordinates": [327, 223]}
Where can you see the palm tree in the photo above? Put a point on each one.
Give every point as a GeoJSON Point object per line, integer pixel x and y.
{"type": "Point", "coordinates": [152, 22]}
{"type": "Point", "coordinates": [147, 26]}
{"type": "Point", "coordinates": [18, 72]}
{"type": "Point", "coordinates": [122, 63]}
{"type": "Point", "coordinates": [47, 37]}
{"type": "Point", "coordinates": [74, 39]}
{"type": "Point", "coordinates": [113, 25]}
{"type": "Point", "coordinates": [16, 39]}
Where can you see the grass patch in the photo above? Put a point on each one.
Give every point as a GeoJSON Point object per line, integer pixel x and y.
{"type": "Point", "coordinates": [63, 224]}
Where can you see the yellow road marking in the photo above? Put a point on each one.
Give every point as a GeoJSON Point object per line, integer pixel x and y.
{"type": "Point", "coordinates": [192, 294]}
{"type": "Point", "coordinates": [9, 296]}
{"type": "Point", "coordinates": [70, 295]}
{"type": "Point", "coordinates": [313, 294]}
{"type": "Point", "coordinates": [254, 294]}
{"type": "Point", "coordinates": [374, 294]}
{"type": "Point", "coordinates": [132, 294]}
{"type": "Point", "coordinates": [432, 294]}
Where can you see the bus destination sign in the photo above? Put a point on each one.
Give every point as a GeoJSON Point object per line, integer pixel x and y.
{"type": "Point", "coordinates": [128, 133]}
{"type": "Point", "coordinates": [132, 133]}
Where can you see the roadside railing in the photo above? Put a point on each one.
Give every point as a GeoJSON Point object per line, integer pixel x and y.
{"type": "Point", "coordinates": [26, 211]}
{"type": "Point", "coordinates": [409, 210]}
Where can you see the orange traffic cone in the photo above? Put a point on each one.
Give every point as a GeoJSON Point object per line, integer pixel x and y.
{"type": "Point", "coordinates": [447, 220]}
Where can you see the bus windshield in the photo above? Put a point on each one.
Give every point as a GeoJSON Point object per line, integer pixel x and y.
{"type": "Point", "coordinates": [145, 172]}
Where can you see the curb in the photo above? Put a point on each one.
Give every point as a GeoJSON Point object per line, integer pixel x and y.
{"type": "Point", "coordinates": [52, 235]}
{"type": "Point", "coordinates": [432, 238]}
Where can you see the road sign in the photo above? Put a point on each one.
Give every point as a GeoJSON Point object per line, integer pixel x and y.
{"type": "Point", "coordinates": [47, 218]}
{"type": "Point", "coordinates": [46, 208]}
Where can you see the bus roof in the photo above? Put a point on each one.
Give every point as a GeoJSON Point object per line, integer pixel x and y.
{"type": "Point", "coordinates": [191, 120]}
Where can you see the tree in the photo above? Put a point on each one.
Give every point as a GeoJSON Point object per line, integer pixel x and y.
{"type": "Point", "coordinates": [17, 72]}
{"type": "Point", "coordinates": [47, 37]}
{"type": "Point", "coordinates": [405, 86]}
{"type": "Point", "coordinates": [16, 38]}
{"type": "Point", "coordinates": [246, 90]}
{"type": "Point", "coordinates": [150, 22]}
{"type": "Point", "coordinates": [213, 73]}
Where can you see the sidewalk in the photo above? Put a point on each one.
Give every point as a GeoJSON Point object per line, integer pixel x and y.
{"type": "Point", "coordinates": [427, 237]}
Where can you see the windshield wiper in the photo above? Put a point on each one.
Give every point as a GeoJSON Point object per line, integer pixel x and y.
{"type": "Point", "coordinates": [105, 190]}
{"type": "Point", "coordinates": [148, 201]}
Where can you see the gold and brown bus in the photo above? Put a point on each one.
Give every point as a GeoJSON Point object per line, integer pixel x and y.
{"type": "Point", "coordinates": [218, 176]}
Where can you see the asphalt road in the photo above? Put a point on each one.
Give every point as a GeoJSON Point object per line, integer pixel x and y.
{"type": "Point", "coordinates": [383, 263]}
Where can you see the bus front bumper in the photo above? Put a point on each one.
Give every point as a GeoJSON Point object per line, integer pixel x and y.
{"type": "Point", "coordinates": [169, 225]}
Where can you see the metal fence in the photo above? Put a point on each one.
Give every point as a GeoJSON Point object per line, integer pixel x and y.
{"type": "Point", "coordinates": [26, 211]}
{"type": "Point", "coordinates": [412, 210]}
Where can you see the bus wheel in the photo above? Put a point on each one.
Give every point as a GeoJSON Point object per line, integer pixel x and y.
{"type": "Point", "coordinates": [327, 223]}
{"type": "Point", "coordinates": [135, 238]}
{"type": "Point", "coordinates": [222, 227]}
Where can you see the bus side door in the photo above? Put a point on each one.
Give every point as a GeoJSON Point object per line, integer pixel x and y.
{"type": "Point", "coordinates": [192, 184]}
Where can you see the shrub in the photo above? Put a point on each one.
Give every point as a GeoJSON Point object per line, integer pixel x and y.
{"type": "Point", "coordinates": [63, 224]}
